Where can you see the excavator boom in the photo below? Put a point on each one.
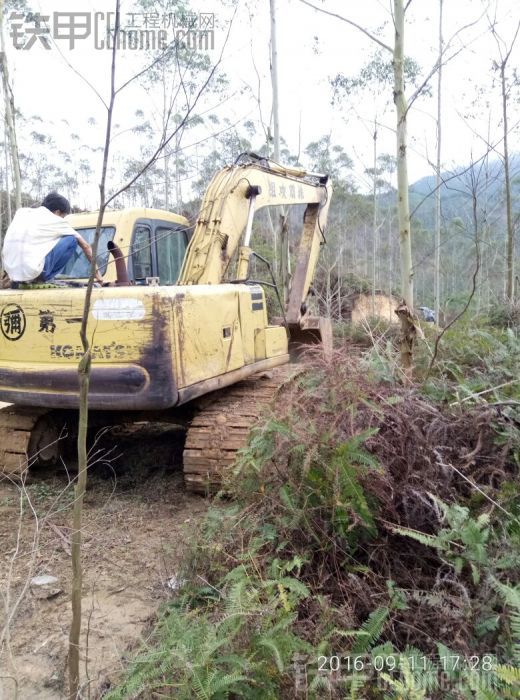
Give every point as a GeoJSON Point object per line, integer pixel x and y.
{"type": "Point", "coordinates": [225, 218]}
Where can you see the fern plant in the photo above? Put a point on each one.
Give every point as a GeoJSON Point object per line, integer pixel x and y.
{"type": "Point", "coordinates": [188, 654]}
{"type": "Point", "coordinates": [509, 674]}
{"type": "Point", "coordinates": [462, 541]}
{"type": "Point", "coordinates": [244, 652]}
{"type": "Point", "coordinates": [407, 686]}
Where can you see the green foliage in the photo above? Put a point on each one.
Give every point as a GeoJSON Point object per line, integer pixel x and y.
{"type": "Point", "coordinates": [407, 686]}
{"type": "Point", "coordinates": [511, 596]}
{"type": "Point", "coordinates": [188, 654]}
{"type": "Point", "coordinates": [371, 630]}
{"type": "Point", "coordinates": [376, 74]}
{"type": "Point", "coordinates": [505, 315]}
{"type": "Point", "coordinates": [476, 363]}
{"type": "Point", "coordinates": [470, 541]}
{"type": "Point", "coordinates": [346, 462]}
{"type": "Point", "coordinates": [327, 483]}
{"type": "Point", "coordinates": [509, 675]}
{"type": "Point", "coordinates": [331, 159]}
{"type": "Point", "coordinates": [374, 332]}
{"type": "Point", "coordinates": [240, 643]}
{"type": "Point", "coordinates": [463, 541]}
{"type": "Point", "coordinates": [300, 565]}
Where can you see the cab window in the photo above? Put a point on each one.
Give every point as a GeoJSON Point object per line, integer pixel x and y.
{"type": "Point", "coordinates": [142, 252]}
{"type": "Point", "coordinates": [78, 266]}
{"type": "Point", "coordinates": [171, 247]}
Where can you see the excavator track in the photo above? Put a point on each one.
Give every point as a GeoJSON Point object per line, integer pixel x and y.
{"type": "Point", "coordinates": [27, 435]}
{"type": "Point", "coordinates": [222, 427]}
{"type": "Point", "coordinates": [218, 430]}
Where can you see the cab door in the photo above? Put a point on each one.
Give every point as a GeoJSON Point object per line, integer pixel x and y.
{"type": "Point", "coordinates": [157, 251]}
{"type": "Point", "coordinates": [171, 241]}
{"type": "Point", "coordinates": [143, 258]}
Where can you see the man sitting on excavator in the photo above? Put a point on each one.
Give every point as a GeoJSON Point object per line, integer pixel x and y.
{"type": "Point", "coordinates": [38, 243]}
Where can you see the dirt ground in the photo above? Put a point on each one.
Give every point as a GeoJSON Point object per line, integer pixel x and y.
{"type": "Point", "coordinates": [136, 527]}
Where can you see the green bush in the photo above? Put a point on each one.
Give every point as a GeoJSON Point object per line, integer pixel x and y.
{"type": "Point", "coordinates": [505, 315]}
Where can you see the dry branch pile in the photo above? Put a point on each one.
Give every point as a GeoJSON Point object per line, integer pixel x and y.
{"type": "Point", "coordinates": [403, 453]}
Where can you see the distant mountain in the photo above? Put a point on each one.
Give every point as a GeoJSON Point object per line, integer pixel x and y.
{"type": "Point", "coordinates": [457, 191]}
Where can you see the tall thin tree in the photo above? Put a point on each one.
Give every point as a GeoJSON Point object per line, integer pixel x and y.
{"type": "Point", "coordinates": [280, 242]}
{"type": "Point", "coordinates": [403, 206]}
{"type": "Point", "coordinates": [504, 53]}
{"type": "Point", "coordinates": [405, 310]}
{"type": "Point", "coordinates": [437, 263]}
{"type": "Point", "coordinates": [274, 82]}
{"type": "Point", "coordinates": [10, 113]}
{"type": "Point", "coordinates": [84, 381]}
{"type": "Point", "coordinates": [84, 365]}
{"type": "Point", "coordinates": [374, 219]}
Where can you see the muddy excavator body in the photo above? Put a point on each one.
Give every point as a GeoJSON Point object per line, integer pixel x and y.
{"type": "Point", "coordinates": [179, 318]}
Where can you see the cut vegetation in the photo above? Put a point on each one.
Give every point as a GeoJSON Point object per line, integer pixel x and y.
{"type": "Point", "coordinates": [371, 546]}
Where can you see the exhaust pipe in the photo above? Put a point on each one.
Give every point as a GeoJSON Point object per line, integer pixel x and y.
{"type": "Point", "coordinates": [122, 273]}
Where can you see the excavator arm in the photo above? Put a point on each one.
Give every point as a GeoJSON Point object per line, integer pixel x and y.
{"type": "Point", "coordinates": [225, 223]}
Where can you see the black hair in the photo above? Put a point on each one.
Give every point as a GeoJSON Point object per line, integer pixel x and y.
{"type": "Point", "coordinates": [55, 202]}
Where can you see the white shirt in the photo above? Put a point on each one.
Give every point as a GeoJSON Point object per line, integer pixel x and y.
{"type": "Point", "coordinates": [31, 235]}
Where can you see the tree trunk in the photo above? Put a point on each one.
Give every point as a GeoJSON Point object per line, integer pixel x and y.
{"type": "Point", "coordinates": [84, 380]}
{"type": "Point", "coordinates": [374, 220]}
{"type": "Point", "coordinates": [166, 180]}
{"type": "Point", "coordinates": [437, 268]}
{"type": "Point", "coordinates": [405, 309]}
{"type": "Point", "coordinates": [7, 186]}
{"type": "Point", "coordinates": [178, 188]}
{"type": "Point", "coordinates": [403, 206]}
{"type": "Point", "coordinates": [10, 114]}
{"type": "Point", "coordinates": [1, 228]}
{"type": "Point", "coordinates": [277, 244]}
{"type": "Point", "coordinates": [340, 281]}
{"type": "Point", "coordinates": [274, 83]}
{"type": "Point", "coordinates": [390, 256]}
{"type": "Point", "coordinates": [510, 274]}
{"type": "Point", "coordinates": [166, 150]}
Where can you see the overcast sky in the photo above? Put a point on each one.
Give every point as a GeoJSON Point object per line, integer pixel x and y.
{"type": "Point", "coordinates": [313, 48]}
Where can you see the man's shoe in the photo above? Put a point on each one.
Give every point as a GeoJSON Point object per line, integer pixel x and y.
{"type": "Point", "coordinates": [21, 285]}
{"type": "Point", "coordinates": [38, 285]}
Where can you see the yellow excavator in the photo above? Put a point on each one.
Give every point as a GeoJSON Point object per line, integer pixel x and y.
{"type": "Point", "coordinates": [179, 330]}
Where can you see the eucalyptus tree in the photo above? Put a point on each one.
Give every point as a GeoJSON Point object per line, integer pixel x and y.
{"type": "Point", "coordinates": [398, 84]}
{"type": "Point", "coordinates": [376, 78]}
{"type": "Point", "coordinates": [507, 82]}
{"type": "Point", "coordinates": [173, 76]}
{"type": "Point", "coordinates": [437, 266]}
{"type": "Point", "coordinates": [9, 104]}
{"type": "Point", "coordinates": [274, 81]}
{"type": "Point", "coordinates": [403, 103]}
{"type": "Point", "coordinates": [339, 255]}
{"type": "Point", "coordinates": [226, 143]}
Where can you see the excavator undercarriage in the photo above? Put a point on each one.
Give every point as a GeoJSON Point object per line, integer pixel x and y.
{"type": "Point", "coordinates": [221, 427]}
{"type": "Point", "coordinates": [27, 436]}
{"type": "Point", "coordinates": [213, 429]}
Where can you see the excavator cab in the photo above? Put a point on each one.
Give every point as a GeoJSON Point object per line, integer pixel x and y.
{"type": "Point", "coordinates": [153, 243]}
